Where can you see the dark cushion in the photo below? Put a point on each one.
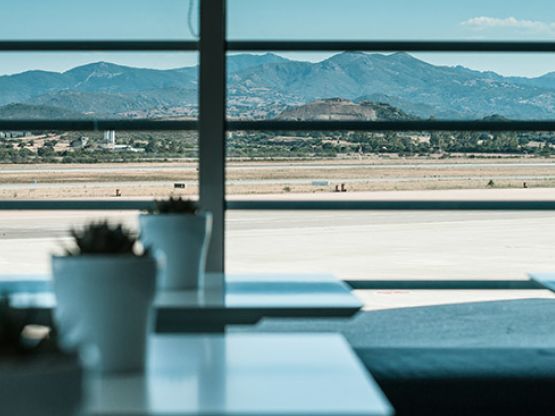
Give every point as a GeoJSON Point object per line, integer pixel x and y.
{"type": "Point", "coordinates": [465, 381]}
{"type": "Point", "coordinates": [463, 359]}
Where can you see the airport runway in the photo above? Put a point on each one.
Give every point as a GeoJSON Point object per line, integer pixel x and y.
{"type": "Point", "coordinates": [353, 245]}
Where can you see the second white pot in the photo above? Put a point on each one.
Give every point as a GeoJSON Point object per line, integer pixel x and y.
{"type": "Point", "coordinates": [180, 242]}
{"type": "Point", "coordinates": [104, 308]}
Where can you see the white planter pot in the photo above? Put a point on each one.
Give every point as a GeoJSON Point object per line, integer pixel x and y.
{"type": "Point", "coordinates": [104, 308]}
{"type": "Point", "coordinates": [181, 242]}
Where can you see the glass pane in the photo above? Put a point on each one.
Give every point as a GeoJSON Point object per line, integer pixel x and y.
{"type": "Point", "coordinates": [392, 245]}
{"type": "Point", "coordinates": [101, 19]}
{"type": "Point", "coordinates": [394, 19]}
{"type": "Point", "coordinates": [105, 165]}
{"type": "Point", "coordinates": [391, 86]}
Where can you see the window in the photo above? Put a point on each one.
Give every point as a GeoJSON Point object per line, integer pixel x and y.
{"type": "Point", "coordinates": [289, 167]}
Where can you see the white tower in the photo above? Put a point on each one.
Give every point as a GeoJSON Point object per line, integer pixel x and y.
{"type": "Point", "coordinates": [110, 138]}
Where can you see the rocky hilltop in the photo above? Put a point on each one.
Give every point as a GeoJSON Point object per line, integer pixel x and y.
{"type": "Point", "coordinates": [336, 109]}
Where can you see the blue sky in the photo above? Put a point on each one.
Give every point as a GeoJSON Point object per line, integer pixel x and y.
{"type": "Point", "coordinates": [281, 19]}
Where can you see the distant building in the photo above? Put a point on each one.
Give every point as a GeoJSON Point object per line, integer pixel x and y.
{"type": "Point", "coordinates": [14, 134]}
{"type": "Point", "coordinates": [110, 138]}
{"type": "Point", "coordinates": [18, 134]}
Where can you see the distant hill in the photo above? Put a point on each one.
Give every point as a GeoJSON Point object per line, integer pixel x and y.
{"type": "Point", "coordinates": [110, 103]}
{"type": "Point", "coordinates": [448, 92]}
{"type": "Point", "coordinates": [544, 81]}
{"type": "Point", "coordinates": [106, 77]}
{"type": "Point", "coordinates": [241, 62]}
{"type": "Point", "coordinates": [105, 89]}
{"type": "Point", "coordinates": [25, 111]}
{"type": "Point", "coordinates": [264, 85]}
{"type": "Point", "coordinates": [335, 109]}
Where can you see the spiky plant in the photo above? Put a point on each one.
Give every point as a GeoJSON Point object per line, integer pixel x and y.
{"type": "Point", "coordinates": [175, 206]}
{"type": "Point", "coordinates": [102, 238]}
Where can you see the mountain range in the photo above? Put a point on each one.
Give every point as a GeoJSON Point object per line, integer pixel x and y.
{"type": "Point", "coordinates": [266, 86]}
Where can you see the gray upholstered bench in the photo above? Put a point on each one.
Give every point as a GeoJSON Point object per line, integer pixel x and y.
{"type": "Point", "coordinates": [468, 381]}
{"type": "Point", "coordinates": [475, 358]}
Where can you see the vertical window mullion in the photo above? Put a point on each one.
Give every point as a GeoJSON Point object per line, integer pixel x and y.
{"type": "Point", "coordinates": [212, 104]}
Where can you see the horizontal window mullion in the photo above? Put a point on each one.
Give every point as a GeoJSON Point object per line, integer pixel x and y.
{"type": "Point", "coordinates": [98, 125]}
{"type": "Point", "coordinates": [177, 45]}
{"type": "Point", "coordinates": [97, 45]}
{"type": "Point", "coordinates": [424, 125]}
{"type": "Point", "coordinates": [277, 205]}
{"type": "Point", "coordinates": [76, 205]}
{"type": "Point", "coordinates": [392, 46]}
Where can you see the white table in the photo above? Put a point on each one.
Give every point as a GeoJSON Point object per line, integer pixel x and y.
{"type": "Point", "coordinates": [247, 298]}
{"type": "Point", "coordinates": [242, 374]}
{"type": "Point", "coordinates": [243, 299]}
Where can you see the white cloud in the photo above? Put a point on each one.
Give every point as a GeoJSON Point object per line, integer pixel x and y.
{"type": "Point", "coordinates": [535, 26]}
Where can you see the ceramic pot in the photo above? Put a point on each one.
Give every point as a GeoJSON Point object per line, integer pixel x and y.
{"type": "Point", "coordinates": [180, 242]}
{"type": "Point", "coordinates": [104, 308]}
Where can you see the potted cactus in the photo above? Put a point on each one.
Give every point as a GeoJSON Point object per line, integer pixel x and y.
{"type": "Point", "coordinates": [179, 233]}
{"type": "Point", "coordinates": [36, 378]}
{"type": "Point", "coordinates": [104, 290]}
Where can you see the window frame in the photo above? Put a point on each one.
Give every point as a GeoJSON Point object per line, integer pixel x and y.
{"type": "Point", "coordinates": [212, 126]}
